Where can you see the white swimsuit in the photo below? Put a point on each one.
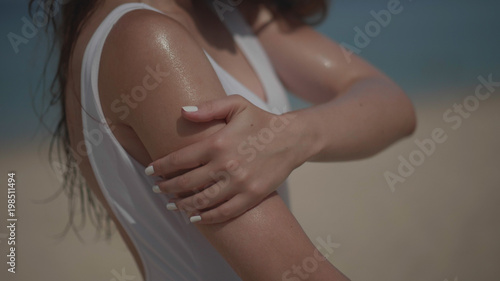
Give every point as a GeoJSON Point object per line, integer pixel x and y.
{"type": "Point", "coordinates": [169, 246]}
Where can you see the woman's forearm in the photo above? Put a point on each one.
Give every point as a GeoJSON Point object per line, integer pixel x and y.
{"type": "Point", "coordinates": [370, 116]}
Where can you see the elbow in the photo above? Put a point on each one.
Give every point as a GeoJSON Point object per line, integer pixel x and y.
{"type": "Point", "coordinates": [400, 111]}
{"type": "Point", "coordinates": [407, 116]}
{"type": "Point", "coordinates": [412, 123]}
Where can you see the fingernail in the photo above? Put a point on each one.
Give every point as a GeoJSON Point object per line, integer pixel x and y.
{"type": "Point", "coordinates": [149, 170]}
{"type": "Point", "coordinates": [156, 189]}
{"type": "Point", "coordinates": [190, 108]}
{"type": "Point", "coordinates": [171, 207]}
{"type": "Point", "coordinates": [194, 219]}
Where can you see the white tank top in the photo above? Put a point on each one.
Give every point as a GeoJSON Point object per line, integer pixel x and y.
{"type": "Point", "coordinates": [170, 247]}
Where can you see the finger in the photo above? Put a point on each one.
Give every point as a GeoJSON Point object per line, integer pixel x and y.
{"type": "Point", "coordinates": [187, 182]}
{"type": "Point", "coordinates": [207, 198]}
{"type": "Point", "coordinates": [189, 157]}
{"type": "Point", "coordinates": [236, 206]}
{"type": "Point", "coordinates": [222, 108]}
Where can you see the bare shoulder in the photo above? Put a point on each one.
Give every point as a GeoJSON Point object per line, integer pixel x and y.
{"type": "Point", "coordinates": [150, 67]}
{"type": "Point", "coordinates": [145, 43]}
{"type": "Point", "coordinates": [145, 35]}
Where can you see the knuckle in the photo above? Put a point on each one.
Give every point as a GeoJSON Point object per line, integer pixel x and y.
{"type": "Point", "coordinates": [254, 189]}
{"type": "Point", "coordinates": [242, 177]}
{"type": "Point", "coordinates": [219, 143]}
{"type": "Point", "coordinates": [232, 165]}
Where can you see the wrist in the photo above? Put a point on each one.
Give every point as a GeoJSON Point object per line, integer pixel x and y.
{"type": "Point", "coordinates": [306, 134]}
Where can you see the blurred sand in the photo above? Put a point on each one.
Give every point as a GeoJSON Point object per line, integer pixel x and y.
{"type": "Point", "coordinates": [441, 223]}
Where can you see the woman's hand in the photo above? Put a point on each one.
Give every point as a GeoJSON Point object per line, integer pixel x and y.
{"type": "Point", "coordinates": [235, 168]}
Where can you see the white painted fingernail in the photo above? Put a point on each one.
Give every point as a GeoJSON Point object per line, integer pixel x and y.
{"type": "Point", "coordinates": [194, 219]}
{"type": "Point", "coordinates": [149, 170]}
{"type": "Point", "coordinates": [190, 108]}
{"type": "Point", "coordinates": [156, 189]}
{"type": "Point", "coordinates": [171, 207]}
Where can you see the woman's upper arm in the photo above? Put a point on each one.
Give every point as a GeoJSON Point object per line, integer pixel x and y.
{"type": "Point", "coordinates": [150, 50]}
{"type": "Point", "coordinates": [154, 67]}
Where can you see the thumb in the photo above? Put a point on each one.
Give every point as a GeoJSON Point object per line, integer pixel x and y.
{"type": "Point", "coordinates": [218, 109]}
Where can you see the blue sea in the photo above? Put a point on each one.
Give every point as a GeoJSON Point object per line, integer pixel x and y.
{"type": "Point", "coordinates": [425, 46]}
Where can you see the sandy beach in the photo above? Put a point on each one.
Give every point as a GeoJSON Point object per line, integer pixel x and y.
{"type": "Point", "coordinates": [436, 221]}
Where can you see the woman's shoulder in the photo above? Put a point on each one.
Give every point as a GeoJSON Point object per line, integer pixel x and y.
{"type": "Point", "coordinates": [130, 24]}
{"type": "Point", "coordinates": [142, 28]}
{"type": "Point", "coordinates": [143, 37]}
{"type": "Point", "coordinates": [133, 32]}
{"type": "Point", "coordinates": [149, 48]}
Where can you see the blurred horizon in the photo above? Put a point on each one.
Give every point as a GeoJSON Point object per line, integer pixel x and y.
{"type": "Point", "coordinates": [427, 47]}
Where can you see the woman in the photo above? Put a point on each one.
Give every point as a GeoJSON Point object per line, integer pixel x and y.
{"type": "Point", "coordinates": [126, 70]}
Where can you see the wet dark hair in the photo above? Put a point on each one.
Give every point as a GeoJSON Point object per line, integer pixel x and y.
{"type": "Point", "coordinates": [67, 20]}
